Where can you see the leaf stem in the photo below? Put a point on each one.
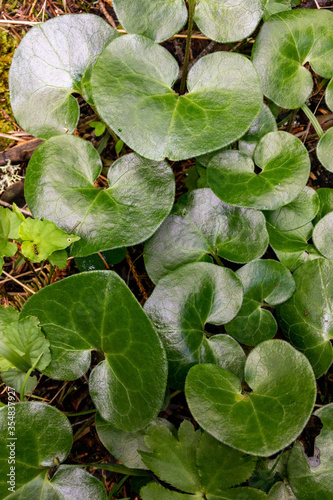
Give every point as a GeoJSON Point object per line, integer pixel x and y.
{"type": "Point", "coordinates": [313, 120]}
{"type": "Point", "coordinates": [26, 378]}
{"type": "Point", "coordinates": [121, 469]}
{"type": "Point", "coordinates": [191, 8]}
{"type": "Point", "coordinates": [18, 361]}
{"type": "Point", "coordinates": [217, 259]}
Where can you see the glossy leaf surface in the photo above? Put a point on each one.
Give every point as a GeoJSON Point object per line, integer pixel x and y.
{"type": "Point", "coordinates": [180, 306]}
{"type": "Point", "coordinates": [287, 41]}
{"type": "Point", "coordinates": [266, 283]}
{"type": "Point", "coordinates": [262, 125]}
{"type": "Point", "coordinates": [128, 387]}
{"type": "Point", "coordinates": [43, 436]}
{"type": "Point", "coordinates": [228, 21]}
{"type": "Point", "coordinates": [325, 150]}
{"type": "Point", "coordinates": [60, 186]}
{"type": "Point", "coordinates": [48, 67]}
{"type": "Point", "coordinates": [201, 226]}
{"type": "Point", "coordinates": [323, 236]}
{"type": "Point", "coordinates": [132, 89]}
{"type": "Point", "coordinates": [158, 21]}
{"type": "Point", "coordinates": [265, 420]}
{"type": "Point", "coordinates": [306, 317]}
{"type": "Point", "coordinates": [285, 169]}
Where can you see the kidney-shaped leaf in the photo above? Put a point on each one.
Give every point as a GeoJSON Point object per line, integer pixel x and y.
{"type": "Point", "coordinates": [132, 89]}
{"type": "Point", "coordinates": [285, 167]}
{"type": "Point", "coordinates": [306, 317]}
{"type": "Point", "coordinates": [43, 438]}
{"type": "Point", "coordinates": [265, 420]}
{"type": "Point", "coordinates": [60, 186]}
{"type": "Point", "coordinates": [262, 125]}
{"type": "Point", "coordinates": [266, 283]}
{"type": "Point", "coordinates": [228, 21]}
{"type": "Point", "coordinates": [156, 20]}
{"type": "Point", "coordinates": [180, 306]}
{"type": "Point", "coordinates": [314, 481]}
{"type": "Point", "coordinates": [53, 61]}
{"type": "Point", "coordinates": [286, 42]}
{"type": "Point", "coordinates": [200, 226]}
{"type": "Point", "coordinates": [96, 310]}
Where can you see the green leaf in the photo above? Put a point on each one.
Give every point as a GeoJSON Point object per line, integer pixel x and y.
{"type": "Point", "coordinates": [156, 21]}
{"type": "Point", "coordinates": [22, 343]}
{"type": "Point", "coordinates": [43, 439]}
{"type": "Point", "coordinates": [286, 42]}
{"type": "Point", "coordinates": [66, 484]}
{"type": "Point", "coordinates": [275, 6]}
{"type": "Point", "coordinates": [262, 125]}
{"type": "Point", "coordinates": [297, 213]}
{"type": "Point", "coordinates": [48, 67]}
{"type": "Point", "coordinates": [132, 89]}
{"type": "Point", "coordinates": [15, 378]}
{"type": "Point", "coordinates": [9, 225]}
{"type": "Point", "coordinates": [99, 128]}
{"type": "Point", "coordinates": [228, 21]}
{"type": "Point", "coordinates": [124, 445]}
{"type": "Point", "coordinates": [266, 283]}
{"type": "Point", "coordinates": [285, 167]}
{"type": "Point", "coordinates": [180, 306]}
{"type": "Point", "coordinates": [325, 150]}
{"type": "Point", "coordinates": [174, 460]}
{"type": "Point", "coordinates": [265, 420]}
{"type": "Point", "coordinates": [94, 262]}
{"type": "Point", "coordinates": [7, 316]}
{"type": "Point", "coordinates": [40, 238]}
{"type": "Point", "coordinates": [128, 387]}
{"type": "Point", "coordinates": [325, 203]}
{"type": "Point", "coordinates": [59, 258]}
{"type": "Point", "coordinates": [119, 146]}
{"type": "Point", "coordinates": [323, 236]}
{"type": "Point", "coordinates": [60, 186]}
{"type": "Point", "coordinates": [239, 494]}
{"type": "Point", "coordinates": [153, 491]}
{"type": "Point", "coordinates": [306, 317]}
{"type": "Point", "coordinates": [281, 491]}
{"type": "Point", "coordinates": [329, 95]}
{"type": "Point", "coordinates": [220, 466]}
{"type": "Point", "coordinates": [312, 478]}
{"type": "Point", "coordinates": [202, 226]}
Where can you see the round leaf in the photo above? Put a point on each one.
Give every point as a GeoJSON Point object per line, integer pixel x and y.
{"type": "Point", "coordinates": [132, 89]}
{"type": "Point", "coordinates": [323, 236]}
{"type": "Point", "coordinates": [325, 150]}
{"type": "Point", "coordinates": [265, 420]}
{"type": "Point", "coordinates": [59, 186]}
{"type": "Point", "coordinates": [180, 306]}
{"type": "Point", "coordinates": [128, 387]}
{"type": "Point", "coordinates": [286, 42]}
{"type": "Point", "coordinates": [297, 213]}
{"type": "Point", "coordinates": [306, 317]}
{"type": "Point", "coordinates": [228, 21]}
{"type": "Point", "coordinates": [43, 438]}
{"type": "Point", "coordinates": [54, 60]}
{"type": "Point", "coordinates": [314, 481]}
{"type": "Point", "coordinates": [262, 125]}
{"type": "Point", "coordinates": [266, 283]}
{"type": "Point", "coordinates": [201, 226]}
{"type": "Point", "coordinates": [285, 167]}
{"type": "Point", "coordinates": [158, 21]}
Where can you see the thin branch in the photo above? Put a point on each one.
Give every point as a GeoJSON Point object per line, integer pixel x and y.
{"type": "Point", "coordinates": [8, 205]}
{"type": "Point", "coordinates": [30, 290]}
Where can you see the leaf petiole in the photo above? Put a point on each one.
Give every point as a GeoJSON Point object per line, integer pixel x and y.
{"type": "Point", "coordinates": [191, 8]}
{"type": "Point", "coordinates": [313, 120]}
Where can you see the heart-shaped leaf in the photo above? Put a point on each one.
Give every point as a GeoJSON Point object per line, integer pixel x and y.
{"type": "Point", "coordinates": [323, 236]}
{"type": "Point", "coordinates": [124, 445]}
{"type": "Point", "coordinates": [128, 387]}
{"type": "Point", "coordinates": [286, 42]}
{"type": "Point", "coordinates": [262, 125]}
{"type": "Point", "coordinates": [266, 283]}
{"type": "Point", "coordinates": [180, 306]}
{"type": "Point", "coordinates": [297, 213]}
{"type": "Point", "coordinates": [202, 226]}
{"type": "Point", "coordinates": [53, 61]}
{"type": "Point", "coordinates": [60, 186]}
{"type": "Point", "coordinates": [132, 89]}
{"type": "Point", "coordinates": [285, 168]}
{"type": "Point", "coordinates": [228, 21]}
{"type": "Point", "coordinates": [158, 21]}
{"type": "Point", "coordinates": [265, 420]}
{"type": "Point", "coordinates": [306, 317]}
{"type": "Point", "coordinates": [325, 150]}
{"type": "Point", "coordinates": [314, 481]}
{"type": "Point", "coordinates": [41, 438]}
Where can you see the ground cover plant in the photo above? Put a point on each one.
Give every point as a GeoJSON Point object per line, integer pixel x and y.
{"type": "Point", "coordinates": [214, 383]}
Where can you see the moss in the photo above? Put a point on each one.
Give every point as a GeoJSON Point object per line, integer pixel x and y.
{"type": "Point", "coordinates": [8, 43]}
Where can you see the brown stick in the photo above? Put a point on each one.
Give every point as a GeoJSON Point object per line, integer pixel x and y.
{"type": "Point", "coordinates": [20, 153]}
{"type": "Point", "coordinates": [106, 14]}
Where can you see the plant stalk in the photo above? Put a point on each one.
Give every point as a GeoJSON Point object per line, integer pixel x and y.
{"type": "Point", "coordinates": [26, 378]}
{"type": "Point", "coordinates": [313, 120]}
{"type": "Point", "coordinates": [191, 8]}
